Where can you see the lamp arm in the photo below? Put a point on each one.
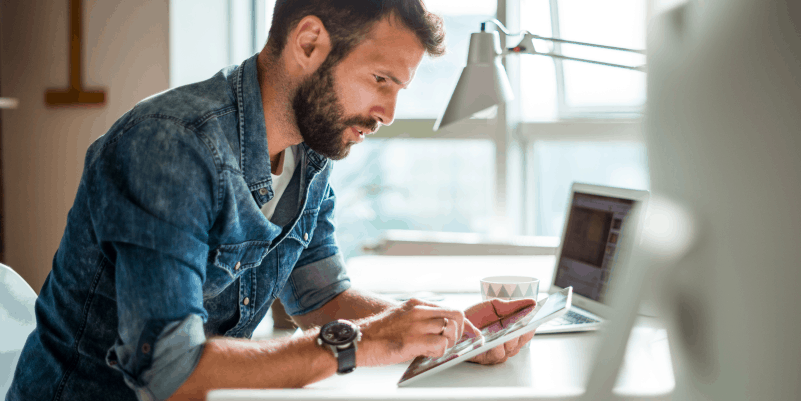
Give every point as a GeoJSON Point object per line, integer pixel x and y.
{"type": "Point", "coordinates": [500, 26]}
{"type": "Point", "coordinates": [529, 36]}
{"type": "Point", "coordinates": [526, 46]}
{"type": "Point", "coordinates": [640, 68]}
{"type": "Point", "coordinates": [622, 49]}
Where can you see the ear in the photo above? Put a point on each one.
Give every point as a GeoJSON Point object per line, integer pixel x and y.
{"type": "Point", "coordinates": [308, 45]}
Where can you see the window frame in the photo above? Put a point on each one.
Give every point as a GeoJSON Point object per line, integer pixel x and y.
{"type": "Point", "coordinates": [514, 197]}
{"type": "Point", "coordinates": [601, 130]}
{"type": "Point", "coordinates": [512, 138]}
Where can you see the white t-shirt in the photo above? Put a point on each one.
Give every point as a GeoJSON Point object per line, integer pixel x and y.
{"type": "Point", "coordinates": [281, 181]}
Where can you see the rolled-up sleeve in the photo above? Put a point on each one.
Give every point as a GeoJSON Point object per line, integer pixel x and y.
{"type": "Point", "coordinates": [175, 352]}
{"type": "Point", "coordinates": [320, 274]}
{"type": "Point", "coordinates": [154, 202]}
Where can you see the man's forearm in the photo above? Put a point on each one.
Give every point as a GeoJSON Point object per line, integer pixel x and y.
{"type": "Point", "coordinates": [279, 363]}
{"type": "Point", "coordinates": [352, 304]}
{"type": "Point", "coordinates": [399, 334]}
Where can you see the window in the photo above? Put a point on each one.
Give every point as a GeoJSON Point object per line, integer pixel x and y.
{"type": "Point", "coordinates": [209, 35]}
{"type": "Point", "coordinates": [409, 177]}
{"type": "Point", "coordinates": [460, 197]}
{"type": "Point", "coordinates": [431, 88]}
{"type": "Point", "coordinates": [554, 89]}
{"type": "Point", "coordinates": [559, 163]}
{"type": "Point", "coordinates": [592, 88]}
{"type": "Point", "coordinates": [572, 121]}
{"type": "Point", "coordinates": [412, 184]}
{"type": "Point", "coordinates": [580, 121]}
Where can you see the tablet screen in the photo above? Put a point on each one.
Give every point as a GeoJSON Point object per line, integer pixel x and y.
{"type": "Point", "coordinates": [521, 322]}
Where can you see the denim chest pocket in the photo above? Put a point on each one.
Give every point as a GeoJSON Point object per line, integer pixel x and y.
{"type": "Point", "coordinates": [304, 229]}
{"type": "Point", "coordinates": [290, 249]}
{"type": "Point", "coordinates": [228, 262]}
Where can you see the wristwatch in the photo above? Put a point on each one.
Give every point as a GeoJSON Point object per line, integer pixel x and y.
{"type": "Point", "coordinates": [341, 336]}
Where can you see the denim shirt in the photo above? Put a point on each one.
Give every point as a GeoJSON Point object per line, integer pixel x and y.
{"type": "Point", "coordinates": [166, 245]}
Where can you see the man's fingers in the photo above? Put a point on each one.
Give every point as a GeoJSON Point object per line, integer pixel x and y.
{"type": "Point", "coordinates": [525, 338]}
{"type": "Point", "coordinates": [434, 312]}
{"type": "Point", "coordinates": [429, 312]}
{"type": "Point", "coordinates": [481, 315]}
{"type": "Point", "coordinates": [505, 308]}
{"type": "Point", "coordinates": [490, 311]}
{"type": "Point", "coordinates": [432, 326]}
{"type": "Point", "coordinates": [510, 345]}
{"type": "Point", "coordinates": [491, 357]}
{"type": "Point", "coordinates": [432, 345]}
{"type": "Point", "coordinates": [470, 330]}
{"type": "Point", "coordinates": [418, 301]}
{"type": "Point", "coordinates": [504, 351]}
{"type": "Point", "coordinates": [514, 346]}
{"type": "Point", "coordinates": [440, 327]}
{"type": "Point", "coordinates": [498, 353]}
{"type": "Point", "coordinates": [450, 333]}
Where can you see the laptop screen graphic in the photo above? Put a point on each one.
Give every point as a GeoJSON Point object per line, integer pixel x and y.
{"type": "Point", "coordinates": [594, 230]}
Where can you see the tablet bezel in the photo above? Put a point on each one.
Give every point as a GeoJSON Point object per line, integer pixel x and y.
{"type": "Point", "coordinates": [486, 346]}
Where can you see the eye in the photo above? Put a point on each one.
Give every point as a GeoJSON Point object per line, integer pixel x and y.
{"type": "Point", "coordinates": [379, 79]}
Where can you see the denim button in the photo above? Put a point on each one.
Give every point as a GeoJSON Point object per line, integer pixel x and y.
{"type": "Point", "coordinates": [246, 301]}
{"type": "Point", "coordinates": [238, 265]}
{"type": "Point", "coordinates": [263, 191]}
{"type": "Point", "coordinates": [305, 236]}
{"type": "Point", "coordinates": [145, 348]}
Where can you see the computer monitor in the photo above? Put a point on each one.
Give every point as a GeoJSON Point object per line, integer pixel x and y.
{"type": "Point", "coordinates": [600, 231]}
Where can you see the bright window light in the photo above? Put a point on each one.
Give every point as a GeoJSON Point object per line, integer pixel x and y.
{"type": "Point", "coordinates": [413, 184]}
{"type": "Point", "coordinates": [558, 164]}
{"type": "Point", "coordinates": [618, 23]}
{"type": "Point", "coordinates": [429, 92]}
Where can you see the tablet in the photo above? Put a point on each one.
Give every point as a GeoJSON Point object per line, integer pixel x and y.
{"type": "Point", "coordinates": [516, 325]}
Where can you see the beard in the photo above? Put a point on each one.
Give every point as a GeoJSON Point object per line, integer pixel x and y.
{"type": "Point", "coordinates": [320, 116]}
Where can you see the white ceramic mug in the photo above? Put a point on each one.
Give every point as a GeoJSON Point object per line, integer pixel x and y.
{"type": "Point", "coordinates": [509, 287]}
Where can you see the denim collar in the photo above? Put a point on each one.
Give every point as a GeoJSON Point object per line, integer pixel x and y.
{"type": "Point", "coordinates": [255, 156]}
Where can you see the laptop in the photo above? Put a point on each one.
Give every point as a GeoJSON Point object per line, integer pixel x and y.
{"type": "Point", "coordinates": [601, 229]}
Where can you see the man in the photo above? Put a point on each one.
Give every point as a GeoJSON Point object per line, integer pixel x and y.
{"type": "Point", "coordinates": [203, 204]}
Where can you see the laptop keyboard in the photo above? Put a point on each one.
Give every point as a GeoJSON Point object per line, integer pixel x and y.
{"type": "Point", "coordinates": [571, 318]}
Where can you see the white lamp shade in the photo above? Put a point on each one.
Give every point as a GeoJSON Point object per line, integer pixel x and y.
{"type": "Point", "coordinates": [483, 83]}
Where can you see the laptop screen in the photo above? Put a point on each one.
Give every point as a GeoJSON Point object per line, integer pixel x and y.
{"type": "Point", "coordinates": [595, 227]}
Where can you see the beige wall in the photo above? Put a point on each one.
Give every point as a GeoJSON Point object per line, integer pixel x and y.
{"type": "Point", "coordinates": [125, 51]}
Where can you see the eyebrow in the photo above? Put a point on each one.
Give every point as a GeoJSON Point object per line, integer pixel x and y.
{"type": "Point", "coordinates": [392, 77]}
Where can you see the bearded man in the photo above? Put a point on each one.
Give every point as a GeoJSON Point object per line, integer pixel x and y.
{"type": "Point", "coordinates": [205, 203]}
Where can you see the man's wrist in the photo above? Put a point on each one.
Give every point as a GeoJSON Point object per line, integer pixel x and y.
{"type": "Point", "coordinates": [341, 338]}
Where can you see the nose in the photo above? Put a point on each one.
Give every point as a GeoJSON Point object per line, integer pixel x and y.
{"type": "Point", "coordinates": [385, 113]}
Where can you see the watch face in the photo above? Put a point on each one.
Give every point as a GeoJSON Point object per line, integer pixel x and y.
{"type": "Point", "coordinates": [338, 332]}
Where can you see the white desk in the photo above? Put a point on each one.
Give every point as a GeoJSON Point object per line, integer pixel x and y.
{"type": "Point", "coordinates": [443, 274]}
{"type": "Point", "coordinates": [555, 366]}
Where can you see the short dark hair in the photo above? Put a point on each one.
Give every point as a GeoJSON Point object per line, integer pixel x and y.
{"type": "Point", "coordinates": [349, 21]}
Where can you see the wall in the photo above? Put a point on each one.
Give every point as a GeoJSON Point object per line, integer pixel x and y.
{"type": "Point", "coordinates": [125, 52]}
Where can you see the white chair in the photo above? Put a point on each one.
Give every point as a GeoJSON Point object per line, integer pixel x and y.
{"type": "Point", "coordinates": [17, 320]}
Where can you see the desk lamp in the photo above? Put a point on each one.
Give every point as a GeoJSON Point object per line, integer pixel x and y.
{"type": "Point", "coordinates": [484, 84]}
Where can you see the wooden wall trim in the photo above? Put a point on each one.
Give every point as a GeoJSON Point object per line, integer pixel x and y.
{"type": "Point", "coordinates": [75, 95]}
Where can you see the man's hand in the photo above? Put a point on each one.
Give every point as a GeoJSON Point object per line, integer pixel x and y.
{"type": "Point", "coordinates": [409, 330]}
{"type": "Point", "coordinates": [491, 311]}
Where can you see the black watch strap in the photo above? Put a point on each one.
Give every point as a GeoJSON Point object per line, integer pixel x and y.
{"type": "Point", "coordinates": [346, 360]}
